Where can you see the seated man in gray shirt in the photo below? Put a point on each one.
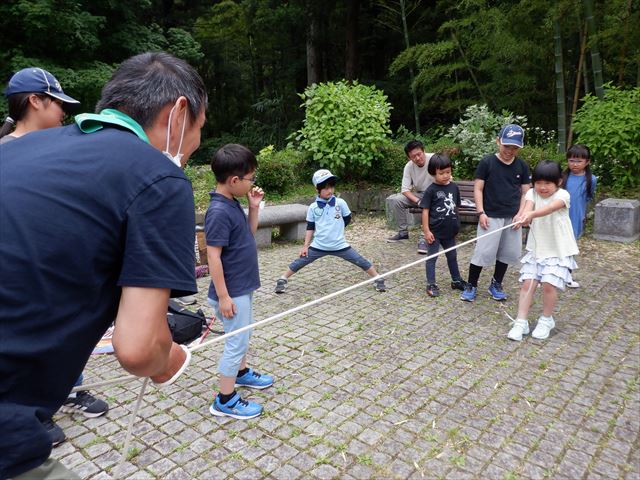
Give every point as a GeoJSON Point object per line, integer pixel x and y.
{"type": "Point", "coordinates": [415, 181]}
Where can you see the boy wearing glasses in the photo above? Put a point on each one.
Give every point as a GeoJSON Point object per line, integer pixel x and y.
{"type": "Point", "coordinates": [327, 218]}
{"type": "Point", "coordinates": [233, 263]}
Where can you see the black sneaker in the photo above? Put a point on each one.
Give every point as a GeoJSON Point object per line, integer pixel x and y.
{"type": "Point", "coordinates": [433, 290]}
{"type": "Point", "coordinates": [458, 284]}
{"type": "Point", "coordinates": [398, 237]}
{"type": "Point", "coordinates": [56, 435]}
{"type": "Point", "coordinates": [379, 285]}
{"type": "Point", "coordinates": [281, 285]}
{"type": "Point", "coordinates": [85, 403]}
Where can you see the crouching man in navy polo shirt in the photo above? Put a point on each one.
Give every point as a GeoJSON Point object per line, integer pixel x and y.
{"type": "Point", "coordinates": [97, 224]}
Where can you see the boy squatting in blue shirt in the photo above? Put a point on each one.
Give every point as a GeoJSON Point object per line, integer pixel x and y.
{"type": "Point", "coordinates": [440, 221]}
{"type": "Point", "coordinates": [327, 218]}
{"type": "Point", "coordinates": [233, 263]}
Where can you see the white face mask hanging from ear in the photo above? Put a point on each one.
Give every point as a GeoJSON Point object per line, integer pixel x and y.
{"type": "Point", "coordinates": [177, 159]}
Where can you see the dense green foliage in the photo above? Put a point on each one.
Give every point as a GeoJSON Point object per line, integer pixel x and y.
{"type": "Point", "coordinates": [476, 134]}
{"type": "Point", "coordinates": [344, 126]}
{"type": "Point", "coordinates": [255, 58]}
{"type": "Point", "coordinates": [611, 129]}
{"type": "Point", "coordinates": [280, 171]}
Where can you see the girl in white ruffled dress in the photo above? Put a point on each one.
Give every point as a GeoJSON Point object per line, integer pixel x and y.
{"type": "Point", "coordinates": [551, 247]}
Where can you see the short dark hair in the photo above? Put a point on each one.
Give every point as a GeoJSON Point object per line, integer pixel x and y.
{"type": "Point", "coordinates": [412, 145]}
{"type": "Point", "coordinates": [232, 160]}
{"type": "Point", "coordinates": [329, 182]}
{"type": "Point", "coordinates": [438, 161]}
{"type": "Point", "coordinates": [547, 170]}
{"type": "Point", "coordinates": [143, 84]}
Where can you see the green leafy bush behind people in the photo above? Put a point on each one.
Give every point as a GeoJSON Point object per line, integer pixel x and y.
{"type": "Point", "coordinates": [344, 127]}
{"type": "Point", "coordinates": [280, 171]}
{"type": "Point", "coordinates": [611, 129]}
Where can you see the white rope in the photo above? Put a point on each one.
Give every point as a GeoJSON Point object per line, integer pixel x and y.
{"type": "Point", "coordinates": [347, 289]}
{"type": "Point", "coordinates": [134, 413]}
{"type": "Point", "coordinates": [128, 378]}
{"type": "Point", "coordinates": [127, 441]}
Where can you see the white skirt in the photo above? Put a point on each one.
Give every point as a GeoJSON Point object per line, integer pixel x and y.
{"type": "Point", "coordinates": [555, 271]}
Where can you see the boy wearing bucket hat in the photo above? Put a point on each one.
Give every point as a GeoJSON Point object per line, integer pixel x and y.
{"type": "Point", "coordinates": [36, 101]}
{"type": "Point", "coordinates": [327, 218]}
{"type": "Point", "coordinates": [501, 182]}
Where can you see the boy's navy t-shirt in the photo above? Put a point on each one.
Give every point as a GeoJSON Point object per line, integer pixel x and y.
{"type": "Point", "coordinates": [226, 226]}
{"type": "Point", "coordinates": [502, 191]}
{"type": "Point", "coordinates": [443, 202]}
{"type": "Point", "coordinates": [81, 215]}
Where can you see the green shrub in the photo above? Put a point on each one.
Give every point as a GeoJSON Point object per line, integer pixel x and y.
{"type": "Point", "coordinates": [611, 129]}
{"type": "Point", "coordinates": [344, 126]}
{"type": "Point", "coordinates": [387, 170]}
{"type": "Point", "coordinates": [203, 182]}
{"type": "Point", "coordinates": [279, 171]}
{"type": "Point", "coordinates": [533, 155]}
{"type": "Point", "coordinates": [476, 134]}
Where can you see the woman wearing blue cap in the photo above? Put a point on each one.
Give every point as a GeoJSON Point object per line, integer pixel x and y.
{"type": "Point", "coordinates": [36, 101]}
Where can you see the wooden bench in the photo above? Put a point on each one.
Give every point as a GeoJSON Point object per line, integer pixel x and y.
{"type": "Point", "coordinates": [467, 211]}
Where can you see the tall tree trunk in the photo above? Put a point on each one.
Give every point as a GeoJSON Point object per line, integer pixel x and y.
{"type": "Point", "coordinates": [414, 96]}
{"type": "Point", "coordinates": [351, 44]}
{"type": "Point", "coordinates": [576, 91]}
{"type": "Point", "coordinates": [560, 95]}
{"type": "Point", "coordinates": [623, 50]}
{"type": "Point", "coordinates": [466, 62]}
{"type": "Point", "coordinates": [313, 53]}
{"type": "Point", "coordinates": [596, 60]}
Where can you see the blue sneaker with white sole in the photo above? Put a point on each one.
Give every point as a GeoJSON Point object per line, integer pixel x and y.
{"type": "Point", "coordinates": [469, 294]}
{"type": "Point", "coordinates": [496, 291]}
{"type": "Point", "coordinates": [253, 379]}
{"type": "Point", "coordinates": [236, 407]}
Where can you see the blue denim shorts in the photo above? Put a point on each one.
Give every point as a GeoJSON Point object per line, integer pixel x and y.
{"type": "Point", "coordinates": [348, 254]}
{"type": "Point", "coordinates": [235, 347]}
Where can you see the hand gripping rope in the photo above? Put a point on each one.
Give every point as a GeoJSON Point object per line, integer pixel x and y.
{"type": "Point", "coordinates": [128, 378]}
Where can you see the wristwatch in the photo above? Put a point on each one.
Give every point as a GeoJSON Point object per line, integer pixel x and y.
{"type": "Point", "coordinates": [481, 213]}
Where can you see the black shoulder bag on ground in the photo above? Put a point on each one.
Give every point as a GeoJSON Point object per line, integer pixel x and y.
{"type": "Point", "coordinates": [184, 324]}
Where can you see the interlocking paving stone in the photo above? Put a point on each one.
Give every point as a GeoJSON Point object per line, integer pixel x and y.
{"type": "Point", "coordinates": [396, 384]}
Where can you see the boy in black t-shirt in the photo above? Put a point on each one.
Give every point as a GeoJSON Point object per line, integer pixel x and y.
{"type": "Point", "coordinates": [440, 221]}
{"type": "Point", "coordinates": [502, 180]}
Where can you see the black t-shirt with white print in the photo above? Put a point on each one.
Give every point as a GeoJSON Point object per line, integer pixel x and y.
{"type": "Point", "coordinates": [443, 202]}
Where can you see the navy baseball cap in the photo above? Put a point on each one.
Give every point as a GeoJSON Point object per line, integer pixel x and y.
{"type": "Point", "coordinates": [511, 135]}
{"type": "Point", "coordinates": [37, 80]}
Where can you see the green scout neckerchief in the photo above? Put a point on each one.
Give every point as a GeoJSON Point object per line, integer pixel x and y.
{"type": "Point", "coordinates": [92, 122]}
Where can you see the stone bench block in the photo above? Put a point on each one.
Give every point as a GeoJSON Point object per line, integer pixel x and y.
{"type": "Point", "coordinates": [292, 220]}
{"type": "Point", "coordinates": [617, 220]}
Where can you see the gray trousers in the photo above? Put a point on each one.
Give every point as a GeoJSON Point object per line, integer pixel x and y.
{"type": "Point", "coordinates": [50, 470]}
{"type": "Point", "coordinates": [399, 206]}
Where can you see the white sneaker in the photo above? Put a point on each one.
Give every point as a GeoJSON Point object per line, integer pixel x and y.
{"type": "Point", "coordinates": [543, 328]}
{"type": "Point", "coordinates": [520, 328]}
{"type": "Point", "coordinates": [573, 284]}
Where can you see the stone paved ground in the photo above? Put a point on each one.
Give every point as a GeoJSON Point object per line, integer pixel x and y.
{"type": "Point", "coordinates": [396, 384]}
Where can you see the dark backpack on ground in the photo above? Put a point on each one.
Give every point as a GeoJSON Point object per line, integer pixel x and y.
{"type": "Point", "coordinates": [184, 324]}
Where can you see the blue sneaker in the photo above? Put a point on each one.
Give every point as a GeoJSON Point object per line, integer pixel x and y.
{"type": "Point", "coordinates": [496, 292]}
{"type": "Point", "coordinates": [253, 379]}
{"type": "Point", "coordinates": [236, 407]}
{"type": "Point", "coordinates": [469, 294]}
